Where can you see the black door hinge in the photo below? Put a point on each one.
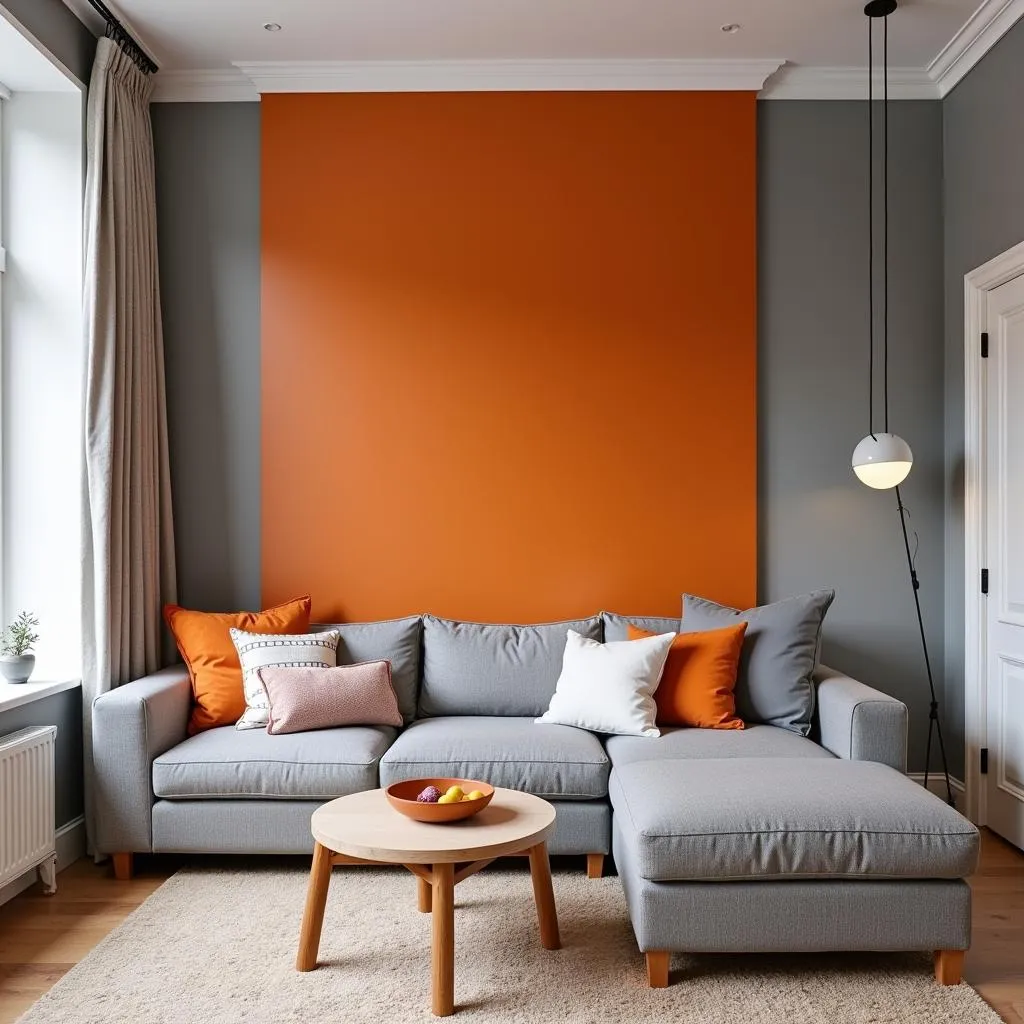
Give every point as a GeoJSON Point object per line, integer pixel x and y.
{"type": "Point", "coordinates": [984, 760]}
{"type": "Point", "coordinates": [984, 344]}
{"type": "Point", "coordinates": [984, 581]}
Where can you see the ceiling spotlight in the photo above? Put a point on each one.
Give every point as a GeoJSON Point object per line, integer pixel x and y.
{"type": "Point", "coordinates": [732, 28]}
{"type": "Point", "coordinates": [272, 26]}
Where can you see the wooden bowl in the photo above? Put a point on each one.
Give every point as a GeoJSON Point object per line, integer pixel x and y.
{"type": "Point", "coordinates": [402, 796]}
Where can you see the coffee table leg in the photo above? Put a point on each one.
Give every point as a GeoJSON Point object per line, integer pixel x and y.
{"type": "Point", "coordinates": [313, 915]}
{"type": "Point", "coordinates": [423, 893]}
{"type": "Point", "coordinates": [544, 897]}
{"type": "Point", "coordinates": [443, 958]}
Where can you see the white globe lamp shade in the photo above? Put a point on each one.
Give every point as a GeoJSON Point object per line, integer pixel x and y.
{"type": "Point", "coordinates": [882, 460]}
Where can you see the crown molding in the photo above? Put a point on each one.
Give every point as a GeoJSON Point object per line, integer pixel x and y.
{"type": "Point", "coordinates": [213, 86]}
{"type": "Point", "coordinates": [770, 78]}
{"type": "Point", "coordinates": [985, 27]}
{"type": "Point", "coordinates": [794, 82]}
{"type": "Point", "coordinates": [508, 75]}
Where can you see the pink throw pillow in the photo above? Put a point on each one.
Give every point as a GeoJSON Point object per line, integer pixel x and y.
{"type": "Point", "coordinates": [302, 699]}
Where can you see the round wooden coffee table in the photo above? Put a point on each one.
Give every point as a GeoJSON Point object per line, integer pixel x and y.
{"type": "Point", "coordinates": [364, 829]}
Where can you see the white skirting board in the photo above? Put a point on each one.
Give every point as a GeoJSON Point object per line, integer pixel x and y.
{"type": "Point", "coordinates": [70, 846]}
{"type": "Point", "coordinates": [937, 785]}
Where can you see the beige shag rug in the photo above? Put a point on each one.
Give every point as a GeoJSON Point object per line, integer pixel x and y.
{"type": "Point", "coordinates": [215, 946]}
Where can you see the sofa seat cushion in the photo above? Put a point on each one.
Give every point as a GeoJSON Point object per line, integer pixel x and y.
{"type": "Point", "coordinates": [759, 818]}
{"type": "Point", "coordinates": [555, 761]}
{"type": "Point", "coordinates": [228, 763]}
{"type": "Point", "coordinates": [674, 744]}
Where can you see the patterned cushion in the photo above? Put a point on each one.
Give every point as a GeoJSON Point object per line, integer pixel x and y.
{"type": "Point", "coordinates": [258, 650]}
{"type": "Point", "coordinates": [303, 699]}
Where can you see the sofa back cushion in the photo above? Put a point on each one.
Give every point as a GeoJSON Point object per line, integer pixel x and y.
{"type": "Point", "coordinates": [394, 640]}
{"type": "Point", "coordinates": [474, 668]}
{"type": "Point", "coordinates": [616, 627]}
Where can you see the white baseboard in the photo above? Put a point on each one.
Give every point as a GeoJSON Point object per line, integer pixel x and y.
{"type": "Point", "coordinates": [70, 846]}
{"type": "Point", "coordinates": [71, 842]}
{"type": "Point", "coordinates": [937, 784]}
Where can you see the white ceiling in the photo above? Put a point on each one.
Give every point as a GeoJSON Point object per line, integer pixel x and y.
{"type": "Point", "coordinates": [24, 68]}
{"type": "Point", "coordinates": [217, 35]}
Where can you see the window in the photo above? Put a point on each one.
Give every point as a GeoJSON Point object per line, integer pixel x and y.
{"type": "Point", "coordinates": [42, 168]}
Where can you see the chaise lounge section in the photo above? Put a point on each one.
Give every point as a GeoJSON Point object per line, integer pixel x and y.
{"type": "Point", "coordinates": [788, 855]}
{"type": "Point", "coordinates": [764, 841]}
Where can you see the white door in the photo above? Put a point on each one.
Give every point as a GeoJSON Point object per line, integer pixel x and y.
{"type": "Point", "coordinates": [1005, 560]}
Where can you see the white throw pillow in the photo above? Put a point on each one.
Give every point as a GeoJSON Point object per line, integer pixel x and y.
{"type": "Point", "coordinates": [609, 687]}
{"type": "Point", "coordinates": [258, 650]}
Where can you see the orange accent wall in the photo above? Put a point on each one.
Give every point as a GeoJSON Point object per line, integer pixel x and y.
{"type": "Point", "coordinates": [509, 352]}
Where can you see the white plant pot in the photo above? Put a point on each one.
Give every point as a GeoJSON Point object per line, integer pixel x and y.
{"type": "Point", "coordinates": [16, 668]}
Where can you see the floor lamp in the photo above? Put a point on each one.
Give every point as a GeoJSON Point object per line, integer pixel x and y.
{"type": "Point", "coordinates": [882, 460]}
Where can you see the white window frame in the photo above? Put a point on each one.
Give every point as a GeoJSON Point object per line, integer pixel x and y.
{"type": "Point", "coordinates": [5, 94]}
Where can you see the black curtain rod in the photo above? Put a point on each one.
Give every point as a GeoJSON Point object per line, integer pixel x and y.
{"type": "Point", "coordinates": [121, 35]}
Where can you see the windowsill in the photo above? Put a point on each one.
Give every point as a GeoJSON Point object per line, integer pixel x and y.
{"type": "Point", "coordinates": [16, 695]}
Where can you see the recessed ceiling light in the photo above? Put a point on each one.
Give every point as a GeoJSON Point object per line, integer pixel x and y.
{"type": "Point", "coordinates": [732, 28]}
{"type": "Point", "coordinates": [272, 26]}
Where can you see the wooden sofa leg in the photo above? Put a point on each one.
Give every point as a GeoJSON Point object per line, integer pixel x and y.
{"type": "Point", "coordinates": [122, 866]}
{"type": "Point", "coordinates": [657, 967]}
{"type": "Point", "coordinates": [949, 966]}
{"type": "Point", "coordinates": [595, 865]}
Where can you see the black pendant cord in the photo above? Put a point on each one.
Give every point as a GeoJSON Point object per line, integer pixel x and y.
{"type": "Point", "coordinates": [123, 38]}
{"type": "Point", "coordinates": [871, 230]}
{"type": "Point", "coordinates": [885, 219]}
{"type": "Point", "coordinates": [882, 9]}
{"type": "Point", "coordinates": [933, 711]}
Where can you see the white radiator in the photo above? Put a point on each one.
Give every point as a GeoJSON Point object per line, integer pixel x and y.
{"type": "Point", "coordinates": [27, 838]}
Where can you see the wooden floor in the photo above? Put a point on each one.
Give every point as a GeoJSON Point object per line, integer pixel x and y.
{"type": "Point", "coordinates": [42, 937]}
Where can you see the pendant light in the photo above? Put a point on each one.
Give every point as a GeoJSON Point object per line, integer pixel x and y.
{"type": "Point", "coordinates": [881, 460]}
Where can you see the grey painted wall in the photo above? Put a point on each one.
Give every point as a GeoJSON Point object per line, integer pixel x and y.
{"type": "Point", "coordinates": [63, 710]}
{"type": "Point", "coordinates": [59, 31]}
{"type": "Point", "coordinates": [983, 148]}
{"type": "Point", "coordinates": [819, 527]}
{"type": "Point", "coordinates": [208, 200]}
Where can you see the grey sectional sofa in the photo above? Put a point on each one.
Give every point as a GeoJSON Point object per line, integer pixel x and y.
{"type": "Point", "coordinates": [760, 839]}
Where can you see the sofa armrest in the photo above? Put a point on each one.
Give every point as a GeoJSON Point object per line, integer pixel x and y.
{"type": "Point", "coordinates": [131, 725]}
{"type": "Point", "coordinates": [860, 723]}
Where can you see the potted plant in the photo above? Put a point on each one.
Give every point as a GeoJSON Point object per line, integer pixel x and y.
{"type": "Point", "coordinates": [16, 663]}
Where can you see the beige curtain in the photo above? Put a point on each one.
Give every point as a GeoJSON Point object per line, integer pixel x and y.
{"type": "Point", "coordinates": [128, 542]}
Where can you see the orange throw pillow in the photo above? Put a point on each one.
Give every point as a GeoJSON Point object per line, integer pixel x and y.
{"type": "Point", "coordinates": [204, 640]}
{"type": "Point", "coordinates": [696, 688]}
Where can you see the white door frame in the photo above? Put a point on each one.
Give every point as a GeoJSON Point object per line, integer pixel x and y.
{"type": "Point", "coordinates": [977, 284]}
